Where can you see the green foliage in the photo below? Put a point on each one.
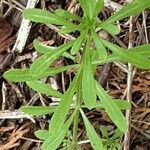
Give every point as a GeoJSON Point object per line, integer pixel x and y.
{"type": "Point", "coordinates": [84, 90]}
{"type": "Point", "coordinates": [42, 134]}
{"type": "Point", "coordinates": [110, 143]}
{"type": "Point", "coordinates": [37, 110]}
{"type": "Point", "coordinates": [18, 75]}
{"type": "Point", "coordinates": [43, 88]}
{"type": "Point", "coordinates": [89, 94]}
{"type": "Point", "coordinates": [111, 108]}
{"type": "Point", "coordinates": [91, 133]}
{"type": "Point", "coordinates": [41, 64]}
{"type": "Point", "coordinates": [55, 138]}
{"type": "Point", "coordinates": [121, 104]}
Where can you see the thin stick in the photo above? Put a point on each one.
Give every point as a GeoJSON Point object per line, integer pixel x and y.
{"type": "Point", "coordinates": [16, 114]}
{"type": "Point", "coordinates": [145, 28]}
{"type": "Point", "coordinates": [129, 90]}
{"type": "Point", "coordinates": [24, 30]}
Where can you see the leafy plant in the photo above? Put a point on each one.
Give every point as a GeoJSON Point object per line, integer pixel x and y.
{"type": "Point", "coordinates": [84, 87]}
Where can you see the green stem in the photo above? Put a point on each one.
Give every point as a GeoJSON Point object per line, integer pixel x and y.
{"type": "Point", "coordinates": [76, 119]}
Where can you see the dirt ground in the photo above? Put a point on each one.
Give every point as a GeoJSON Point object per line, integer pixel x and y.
{"type": "Point", "coordinates": [17, 131]}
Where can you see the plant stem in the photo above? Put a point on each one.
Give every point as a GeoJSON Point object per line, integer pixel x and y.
{"type": "Point", "coordinates": [76, 119]}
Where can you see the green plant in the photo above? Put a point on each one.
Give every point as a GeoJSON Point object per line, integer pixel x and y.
{"type": "Point", "coordinates": [84, 86]}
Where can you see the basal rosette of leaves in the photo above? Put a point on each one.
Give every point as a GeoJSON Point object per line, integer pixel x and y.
{"type": "Point", "coordinates": [84, 86]}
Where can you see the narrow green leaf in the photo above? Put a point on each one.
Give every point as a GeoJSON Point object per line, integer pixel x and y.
{"type": "Point", "coordinates": [43, 88]}
{"type": "Point", "coordinates": [42, 63]}
{"type": "Point", "coordinates": [110, 28]}
{"type": "Point", "coordinates": [91, 8]}
{"type": "Point", "coordinates": [91, 133]}
{"type": "Point", "coordinates": [88, 81]}
{"type": "Point", "coordinates": [130, 9]}
{"type": "Point", "coordinates": [67, 15]}
{"type": "Point", "coordinates": [42, 134]}
{"type": "Point", "coordinates": [23, 75]}
{"type": "Point", "coordinates": [111, 108]}
{"type": "Point", "coordinates": [55, 138]}
{"type": "Point", "coordinates": [122, 104]}
{"type": "Point", "coordinates": [55, 70]}
{"type": "Point", "coordinates": [78, 43]}
{"type": "Point", "coordinates": [37, 110]}
{"type": "Point", "coordinates": [60, 114]}
{"type": "Point", "coordinates": [69, 29]}
{"type": "Point", "coordinates": [44, 16]}
{"type": "Point", "coordinates": [117, 134]}
{"type": "Point", "coordinates": [98, 7]}
{"type": "Point", "coordinates": [101, 50]}
{"type": "Point", "coordinates": [133, 58]}
{"type": "Point", "coordinates": [104, 132]}
{"type": "Point", "coordinates": [111, 58]}
{"type": "Point", "coordinates": [143, 50]}
{"type": "Point", "coordinates": [18, 75]}
{"type": "Point", "coordinates": [42, 48]}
